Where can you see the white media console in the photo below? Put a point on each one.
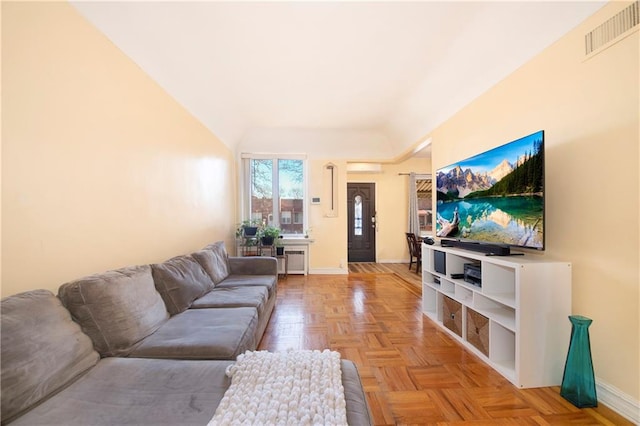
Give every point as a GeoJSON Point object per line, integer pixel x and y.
{"type": "Point", "coordinates": [516, 321]}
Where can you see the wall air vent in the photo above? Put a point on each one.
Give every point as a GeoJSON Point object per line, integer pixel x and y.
{"type": "Point", "coordinates": [613, 28]}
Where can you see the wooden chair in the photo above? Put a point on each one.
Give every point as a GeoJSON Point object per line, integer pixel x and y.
{"type": "Point", "coordinates": [415, 250]}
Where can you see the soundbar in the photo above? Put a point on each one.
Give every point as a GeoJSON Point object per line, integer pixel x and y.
{"type": "Point", "coordinates": [489, 249]}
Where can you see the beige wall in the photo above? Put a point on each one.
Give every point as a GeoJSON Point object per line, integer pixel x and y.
{"type": "Point", "coordinates": [328, 252]}
{"type": "Point", "coordinates": [589, 110]}
{"type": "Point", "coordinates": [100, 167]}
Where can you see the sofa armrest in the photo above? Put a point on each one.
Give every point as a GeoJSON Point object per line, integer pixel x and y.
{"type": "Point", "coordinates": [253, 265]}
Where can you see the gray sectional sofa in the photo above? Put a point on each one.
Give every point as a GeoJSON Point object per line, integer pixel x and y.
{"type": "Point", "coordinates": [140, 345]}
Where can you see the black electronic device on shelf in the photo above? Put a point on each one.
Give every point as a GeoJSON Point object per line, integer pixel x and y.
{"type": "Point", "coordinates": [473, 274]}
{"type": "Point", "coordinates": [488, 249]}
{"type": "Point", "coordinates": [429, 240]}
{"type": "Point", "coordinates": [440, 262]}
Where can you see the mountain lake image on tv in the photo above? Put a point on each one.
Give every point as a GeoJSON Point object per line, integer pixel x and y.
{"type": "Point", "coordinates": [496, 197]}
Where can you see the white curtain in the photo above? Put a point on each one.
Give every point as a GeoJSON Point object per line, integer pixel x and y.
{"type": "Point", "coordinates": [413, 222]}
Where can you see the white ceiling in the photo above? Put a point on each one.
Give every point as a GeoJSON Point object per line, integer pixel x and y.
{"type": "Point", "coordinates": [355, 80]}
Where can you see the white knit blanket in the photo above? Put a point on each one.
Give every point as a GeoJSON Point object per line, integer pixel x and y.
{"type": "Point", "coordinates": [284, 388]}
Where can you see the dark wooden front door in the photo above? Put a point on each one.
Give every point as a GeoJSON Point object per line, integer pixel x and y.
{"type": "Point", "coordinates": [361, 216]}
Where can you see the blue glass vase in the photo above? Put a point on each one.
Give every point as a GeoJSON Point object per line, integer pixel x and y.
{"type": "Point", "coordinates": [578, 381]}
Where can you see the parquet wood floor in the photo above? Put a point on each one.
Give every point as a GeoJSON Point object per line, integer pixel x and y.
{"type": "Point", "coordinates": [412, 372]}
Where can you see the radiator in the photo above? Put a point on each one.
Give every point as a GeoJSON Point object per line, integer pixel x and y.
{"type": "Point", "coordinates": [295, 261]}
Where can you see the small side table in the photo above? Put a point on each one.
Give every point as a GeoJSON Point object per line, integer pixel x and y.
{"type": "Point", "coordinates": [285, 259]}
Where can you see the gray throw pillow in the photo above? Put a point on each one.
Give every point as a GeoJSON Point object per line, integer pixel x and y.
{"type": "Point", "coordinates": [117, 308]}
{"type": "Point", "coordinates": [214, 260]}
{"type": "Point", "coordinates": [180, 281]}
{"type": "Point", "coordinates": [42, 350]}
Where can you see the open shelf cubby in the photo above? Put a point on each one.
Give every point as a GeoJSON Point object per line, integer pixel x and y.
{"type": "Point", "coordinates": [515, 319]}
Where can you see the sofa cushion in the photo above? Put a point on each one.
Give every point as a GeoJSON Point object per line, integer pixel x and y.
{"type": "Point", "coordinates": [221, 333]}
{"type": "Point", "coordinates": [357, 408]}
{"type": "Point", "coordinates": [213, 259]}
{"type": "Point", "coordinates": [234, 297]}
{"type": "Point", "coordinates": [253, 265]}
{"type": "Point", "coordinates": [42, 350]}
{"type": "Point", "coordinates": [134, 391]}
{"type": "Point", "coordinates": [117, 308]}
{"type": "Point", "coordinates": [180, 281]}
{"type": "Point", "coordinates": [268, 281]}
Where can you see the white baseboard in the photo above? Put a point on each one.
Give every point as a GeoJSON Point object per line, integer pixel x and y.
{"type": "Point", "coordinates": [392, 261]}
{"type": "Point", "coordinates": [329, 271]}
{"type": "Point", "coordinates": [618, 401]}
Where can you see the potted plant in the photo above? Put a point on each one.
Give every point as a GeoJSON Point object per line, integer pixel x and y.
{"type": "Point", "coordinates": [268, 234]}
{"type": "Point", "coordinates": [279, 246]}
{"type": "Point", "coordinates": [248, 228]}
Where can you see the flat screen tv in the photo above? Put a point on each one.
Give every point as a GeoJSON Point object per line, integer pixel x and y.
{"type": "Point", "coordinates": [496, 197]}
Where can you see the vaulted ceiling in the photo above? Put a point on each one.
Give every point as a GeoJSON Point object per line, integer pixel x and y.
{"type": "Point", "coordinates": [355, 80]}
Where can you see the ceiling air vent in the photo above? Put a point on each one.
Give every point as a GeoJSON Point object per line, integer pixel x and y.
{"type": "Point", "coordinates": [613, 28]}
